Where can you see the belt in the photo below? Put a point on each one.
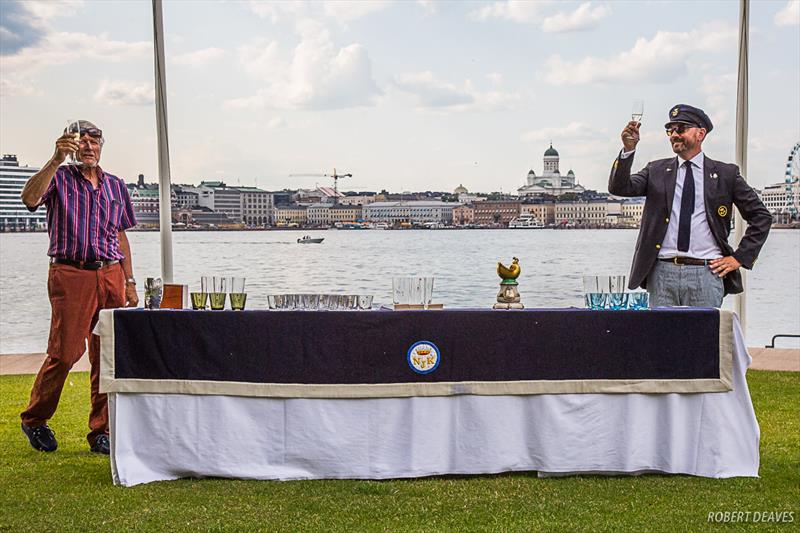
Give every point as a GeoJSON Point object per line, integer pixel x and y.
{"type": "Point", "coordinates": [84, 265]}
{"type": "Point", "coordinates": [685, 261]}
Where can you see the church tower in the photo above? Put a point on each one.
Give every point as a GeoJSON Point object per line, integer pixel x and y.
{"type": "Point", "coordinates": [551, 160]}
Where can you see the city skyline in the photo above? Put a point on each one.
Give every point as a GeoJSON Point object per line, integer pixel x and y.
{"type": "Point", "coordinates": [406, 96]}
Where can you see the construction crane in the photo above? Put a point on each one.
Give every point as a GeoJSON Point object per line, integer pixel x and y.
{"type": "Point", "coordinates": [335, 177]}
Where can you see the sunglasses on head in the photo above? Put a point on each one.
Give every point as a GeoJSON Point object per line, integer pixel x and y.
{"type": "Point", "coordinates": [679, 129]}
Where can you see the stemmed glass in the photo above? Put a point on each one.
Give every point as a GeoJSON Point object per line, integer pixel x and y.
{"type": "Point", "coordinates": [74, 129]}
{"type": "Point", "coordinates": [637, 111]}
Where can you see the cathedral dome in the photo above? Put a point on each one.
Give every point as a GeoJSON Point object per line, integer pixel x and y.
{"type": "Point", "coordinates": [551, 151]}
{"type": "Point", "coordinates": [570, 173]}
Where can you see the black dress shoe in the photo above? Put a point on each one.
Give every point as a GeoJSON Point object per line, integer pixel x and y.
{"type": "Point", "coordinates": [42, 438]}
{"type": "Point", "coordinates": [101, 445]}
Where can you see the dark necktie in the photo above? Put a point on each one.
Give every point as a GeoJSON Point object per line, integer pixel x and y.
{"type": "Point", "coordinates": [687, 208]}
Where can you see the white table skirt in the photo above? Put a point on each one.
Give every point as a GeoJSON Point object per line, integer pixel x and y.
{"type": "Point", "coordinates": [169, 436]}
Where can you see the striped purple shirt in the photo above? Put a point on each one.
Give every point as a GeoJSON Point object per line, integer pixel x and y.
{"type": "Point", "coordinates": [82, 222]}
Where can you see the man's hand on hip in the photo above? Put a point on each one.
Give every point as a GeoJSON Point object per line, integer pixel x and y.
{"type": "Point", "coordinates": [630, 136]}
{"type": "Point", "coordinates": [722, 266]}
{"type": "Point", "coordinates": [131, 298]}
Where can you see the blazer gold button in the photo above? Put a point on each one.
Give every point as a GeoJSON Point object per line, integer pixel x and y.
{"type": "Point", "coordinates": [666, 220]}
{"type": "Point", "coordinates": [658, 246]}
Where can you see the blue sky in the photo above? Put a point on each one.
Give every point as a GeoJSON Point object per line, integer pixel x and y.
{"type": "Point", "coordinates": [404, 95]}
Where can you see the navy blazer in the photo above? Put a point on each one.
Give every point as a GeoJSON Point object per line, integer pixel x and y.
{"type": "Point", "coordinates": [723, 187]}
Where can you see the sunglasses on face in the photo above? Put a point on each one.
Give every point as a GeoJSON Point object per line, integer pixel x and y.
{"type": "Point", "coordinates": [91, 132]}
{"type": "Point", "coordinates": [680, 129]}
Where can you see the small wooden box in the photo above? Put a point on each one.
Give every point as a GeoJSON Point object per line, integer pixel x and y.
{"type": "Point", "coordinates": [175, 296]}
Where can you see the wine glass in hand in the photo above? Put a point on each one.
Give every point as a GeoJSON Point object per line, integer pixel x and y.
{"type": "Point", "coordinates": [637, 111]}
{"type": "Point", "coordinates": [74, 128]}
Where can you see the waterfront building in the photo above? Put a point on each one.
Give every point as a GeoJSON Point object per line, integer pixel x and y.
{"type": "Point", "coordinates": [411, 212]}
{"type": "Point", "coordinates": [145, 201]}
{"type": "Point", "coordinates": [495, 213]}
{"type": "Point", "coordinates": [318, 214]}
{"type": "Point", "coordinates": [774, 197]}
{"type": "Point", "coordinates": [227, 200]}
{"type": "Point", "coordinates": [360, 199]}
{"type": "Point", "coordinates": [632, 210]}
{"type": "Point", "coordinates": [595, 213]}
{"type": "Point", "coordinates": [284, 215]}
{"type": "Point", "coordinates": [14, 216]}
{"type": "Point", "coordinates": [345, 213]}
{"type": "Point", "coordinates": [186, 196]}
{"type": "Point", "coordinates": [551, 182]}
{"type": "Point", "coordinates": [463, 215]}
{"type": "Point", "coordinates": [257, 206]}
{"type": "Point", "coordinates": [543, 211]}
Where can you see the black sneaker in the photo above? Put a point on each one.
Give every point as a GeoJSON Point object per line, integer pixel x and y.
{"type": "Point", "coordinates": [101, 445]}
{"type": "Point", "coordinates": [42, 438]}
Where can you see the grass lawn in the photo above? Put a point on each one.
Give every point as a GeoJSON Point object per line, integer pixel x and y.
{"type": "Point", "coordinates": [71, 489]}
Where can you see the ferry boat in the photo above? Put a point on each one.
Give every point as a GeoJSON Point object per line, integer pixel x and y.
{"type": "Point", "coordinates": [525, 222]}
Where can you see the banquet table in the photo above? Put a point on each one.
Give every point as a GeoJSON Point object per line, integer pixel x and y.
{"type": "Point", "coordinates": [396, 394]}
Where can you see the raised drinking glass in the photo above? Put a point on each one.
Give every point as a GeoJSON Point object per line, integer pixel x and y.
{"type": "Point", "coordinates": [74, 129]}
{"type": "Point", "coordinates": [637, 110]}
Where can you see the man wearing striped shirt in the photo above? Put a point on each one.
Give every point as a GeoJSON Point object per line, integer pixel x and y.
{"type": "Point", "coordinates": [88, 211]}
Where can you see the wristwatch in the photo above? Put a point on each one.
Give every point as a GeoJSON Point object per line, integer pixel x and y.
{"type": "Point", "coordinates": [130, 281]}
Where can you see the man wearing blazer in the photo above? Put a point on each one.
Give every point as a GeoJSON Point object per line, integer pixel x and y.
{"type": "Point", "coordinates": [682, 254]}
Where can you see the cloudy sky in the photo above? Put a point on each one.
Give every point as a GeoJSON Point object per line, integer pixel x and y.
{"type": "Point", "coordinates": [405, 95]}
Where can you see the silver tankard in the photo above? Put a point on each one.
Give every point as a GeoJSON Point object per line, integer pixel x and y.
{"type": "Point", "coordinates": [153, 288]}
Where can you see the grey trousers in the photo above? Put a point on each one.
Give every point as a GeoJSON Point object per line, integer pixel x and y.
{"type": "Point", "coordinates": [671, 285]}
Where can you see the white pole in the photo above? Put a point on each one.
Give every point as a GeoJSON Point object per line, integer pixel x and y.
{"type": "Point", "coordinates": [164, 184]}
{"type": "Point", "coordinates": [740, 303]}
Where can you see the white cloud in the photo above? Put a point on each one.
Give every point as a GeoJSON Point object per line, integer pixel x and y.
{"type": "Point", "coordinates": [585, 17]}
{"type": "Point", "coordinates": [53, 8]}
{"type": "Point", "coordinates": [434, 94]}
{"type": "Point", "coordinates": [495, 78]}
{"type": "Point", "coordinates": [789, 15]}
{"type": "Point", "coordinates": [660, 59]}
{"type": "Point", "coordinates": [428, 6]}
{"type": "Point", "coordinates": [574, 131]}
{"type": "Point", "coordinates": [342, 11]}
{"type": "Point", "coordinates": [199, 58]}
{"type": "Point", "coordinates": [61, 49]}
{"type": "Point", "coordinates": [347, 10]}
{"type": "Point", "coordinates": [316, 76]}
{"type": "Point", "coordinates": [275, 11]}
{"type": "Point", "coordinates": [124, 93]}
{"type": "Point", "coordinates": [513, 10]}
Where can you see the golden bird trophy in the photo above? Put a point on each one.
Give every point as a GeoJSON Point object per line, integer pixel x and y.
{"type": "Point", "coordinates": [508, 296]}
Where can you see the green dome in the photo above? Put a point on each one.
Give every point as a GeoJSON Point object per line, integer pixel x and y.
{"type": "Point", "coordinates": [551, 151]}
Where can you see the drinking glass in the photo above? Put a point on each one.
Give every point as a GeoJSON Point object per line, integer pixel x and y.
{"type": "Point", "coordinates": [237, 295]}
{"type": "Point", "coordinates": [617, 300]}
{"type": "Point", "coordinates": [74, 129]}
{"type": "Point", "coordinates": [218, 292]}
{"type": "Point", "coordinates": [309, 301]}
{"type": "Point", "coordinates": [637, 110]}
{"type": "Point", "coordinates": [365, 302]}
{"type": "Point", "coordinates": [617, 297]}
{"type": "Point", "coordinates": [153, 290]}
{"type": "Point", "coordinates": [401, 290]}
{"type": "Point", "coordinates": [595, 291]}
{"type": "Point", "coordinates": [638, 300]}
{"type": "Point", "coordinates": [427, 291]}
{"type": "Point", "coordinates": [199, 300]}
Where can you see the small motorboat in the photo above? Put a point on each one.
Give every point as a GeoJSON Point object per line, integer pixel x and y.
{"type": "Point", "coordinates": [309, 240]}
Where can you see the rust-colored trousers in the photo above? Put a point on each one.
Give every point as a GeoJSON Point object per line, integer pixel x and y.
{"type": "Point", "coordinates": [76, 297]}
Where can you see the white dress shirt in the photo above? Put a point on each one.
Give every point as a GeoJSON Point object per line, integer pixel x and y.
{"type": "Point", "coordinates": [702, 244]}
